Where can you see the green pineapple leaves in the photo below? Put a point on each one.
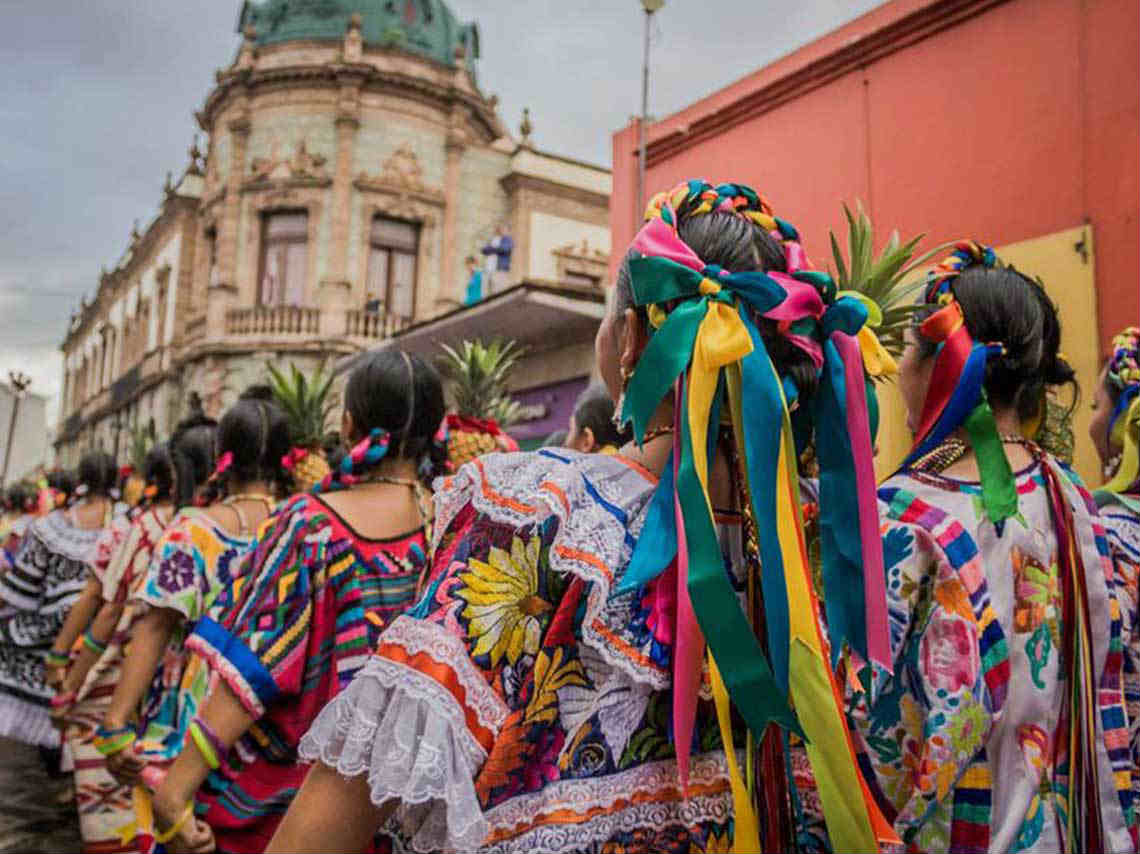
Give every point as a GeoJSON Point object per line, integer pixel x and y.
{"type": "Point", "coordinates": [889, 280]}
{"type": "Point", "coordinates": [479, 372]}
{"type": "Point", "coordinates": [308, 402]}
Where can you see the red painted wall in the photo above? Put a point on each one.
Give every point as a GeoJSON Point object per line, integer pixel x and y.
{"type": "Point", "coordinates": [1015, 121]}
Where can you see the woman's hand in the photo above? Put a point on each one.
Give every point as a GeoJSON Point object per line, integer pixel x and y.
{"type": "Point", "coordinates": [54, 676]}
{"type": "Point", "coordinates": [126, 766]}
{"type": "Point", "coordinates": [61, 705]}
{"type": "Point", "coordinates": [195, 837]}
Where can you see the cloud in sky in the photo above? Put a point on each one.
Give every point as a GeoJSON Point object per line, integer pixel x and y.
{"type": "Point", "coordinates": [99, 96]}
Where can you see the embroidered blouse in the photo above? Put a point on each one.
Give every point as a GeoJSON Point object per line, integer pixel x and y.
{"type": "Point", "coordinates": [49, 573]}
{"type": "Point", "coordinates": [193, 562]}
{"type": "Point", "coordinates": [120, 574]}
{"type": "Point", "coordinates": [1122, 524]}
{"type": "Point", "coordinates": [286, 639]}
{"type": "Point", "coordinates": [520, 706]}
{"type": "Point", "coordinates": [959, 741]}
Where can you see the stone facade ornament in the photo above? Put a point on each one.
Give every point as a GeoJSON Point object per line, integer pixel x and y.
{"type": "Point", "coordinates": [302, 165]}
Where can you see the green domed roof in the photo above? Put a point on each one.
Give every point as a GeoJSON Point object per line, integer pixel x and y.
{"type": "Point", "coordinates": [426, 27]}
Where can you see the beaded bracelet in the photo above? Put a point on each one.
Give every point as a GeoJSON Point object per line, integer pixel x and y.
{"type": "Point", "coordinates": [111, 741]}
{"type": "Point", "coordinates": [167, 835]}
{"type": "Point", "coordinates": [204, 746]}
{"type": "Point", "coordinates": [92, 644]}
{"type": "Point", "coordinates": [57, 659]}
{"type": "Point", "coordinates": [62, 700]}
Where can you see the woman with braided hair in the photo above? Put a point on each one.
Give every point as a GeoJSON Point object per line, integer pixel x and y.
{"type": "Point", "coordinates": [79, 705]}
{"type": "Point", "coordinates": [1115, 432]}
{"type": "Point", "coordinates": [1000, 726]}
{"type": "Point", "coordinates": [327, 574]}
{"type": "Point", "coordinates": [551, 690]}
{"type": "Point", "coordinates": [200, 554]}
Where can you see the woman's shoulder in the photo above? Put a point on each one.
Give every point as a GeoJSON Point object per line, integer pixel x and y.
{"type": "Point", "coordinates": [517, 487]}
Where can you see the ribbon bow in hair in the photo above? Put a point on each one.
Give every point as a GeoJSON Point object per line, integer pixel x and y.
{"type": "Point", "coordinates": [707, 351]}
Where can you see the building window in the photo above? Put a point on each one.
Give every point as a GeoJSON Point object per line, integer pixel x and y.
{"type": "Point", "coordinates": [212, 255]}
{"type": "Point", "coordinates": [393, 246]}
{"type": "Point", "coordinates": [284, 257]}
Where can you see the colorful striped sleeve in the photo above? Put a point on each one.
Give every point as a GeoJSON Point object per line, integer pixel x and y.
{"type": "Point", "coordinates": [255, 637]}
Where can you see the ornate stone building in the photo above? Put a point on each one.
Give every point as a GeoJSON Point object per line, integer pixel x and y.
{"type": "Point", "coordinates": [353, 165]}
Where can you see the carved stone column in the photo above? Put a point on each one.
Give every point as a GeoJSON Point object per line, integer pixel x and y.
{"type": "Point", "coordinates": [335, 290]}
{"type": "Point", "coordinates": [447, 290]}
{"type": "Point", "coordinates": [222, 293]}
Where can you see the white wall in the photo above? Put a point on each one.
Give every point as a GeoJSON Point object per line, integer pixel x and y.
{"type": "Point", "coordinates": [549, 232]}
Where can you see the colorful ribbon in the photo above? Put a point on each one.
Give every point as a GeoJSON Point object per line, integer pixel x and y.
{"type": "Point", "coordinates": [708, 351]}
{"type": "Point", "coordinates": [1124, 424]}
{"type": "Point", "coordinates": [366, 454]}
{"type": "Point", "coordinates": [956, 397]}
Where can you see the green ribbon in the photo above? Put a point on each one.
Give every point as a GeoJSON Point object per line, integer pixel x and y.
{"type": "Point", "coordinates": [999, 492]}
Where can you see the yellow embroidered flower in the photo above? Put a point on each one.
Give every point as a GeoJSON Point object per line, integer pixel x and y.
{"type": "Point", "coordinates": [503, 608]}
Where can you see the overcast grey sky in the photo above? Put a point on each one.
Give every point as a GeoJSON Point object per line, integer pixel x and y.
{"type": "Point", "coordinates": [98, 98]}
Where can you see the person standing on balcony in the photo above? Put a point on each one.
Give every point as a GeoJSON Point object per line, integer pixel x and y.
{"type": "Point", "coordinates": [474, 291]}
{"type": "Point", "coordinates": [498, 251]}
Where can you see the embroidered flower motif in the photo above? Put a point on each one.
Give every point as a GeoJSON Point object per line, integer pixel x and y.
{"type": "Point", "coordinates": [176, 573]}
{"type": "Point", "coordinates": [504, 611]}
{"type": "Point", "coordinates": [968, 729]}
{"type": "Point", "coordinates": [1038, 594]}
{"type": "Point", "coordinates": [948, 655]}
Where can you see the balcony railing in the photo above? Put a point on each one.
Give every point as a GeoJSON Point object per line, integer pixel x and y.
{"type": "Point", "coordinates": [360, 323]}
{"type": "Point", "coordinates": [273, 320]}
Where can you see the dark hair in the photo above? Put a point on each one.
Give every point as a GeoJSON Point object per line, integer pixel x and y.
{"type": "Point", "coordinates": [736, 245]}
{"type": "Point", "coordinates": [595, 410]}
{"type": "Point", "coordinates": [62, 480]}
{"type": "Point", "coordinates": [192, 453]}
{"type": "Point", "coordinates": [98, 472]}
{"type": "Point", "coordinates": [158, 471]}
{"type": "Point", "coordinates": [1001, 305]}
{"type": "Point", "coordinates": [402, 394]}
{"type": "Point", "coordinates": [255, 430]}
{"type": "Point", "coordinates": [557, 439]}
{"type": "Point", "coordinates": [18, 496]}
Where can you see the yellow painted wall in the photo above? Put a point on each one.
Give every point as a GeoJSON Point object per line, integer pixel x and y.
{"type": "Point", "coordinates": [1065, 263]}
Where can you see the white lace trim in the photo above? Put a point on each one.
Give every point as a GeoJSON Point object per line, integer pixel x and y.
{"type": "Point", "coordinates": [407, 732]}
{"type": "Point", "coordinates": [585, 527]}
{"type": "Point", "coordinates": [417, 636]}
{"type": "Point", "coordinates": [653, 780]}
{"type": "Point", "coordinates": [655, 815]}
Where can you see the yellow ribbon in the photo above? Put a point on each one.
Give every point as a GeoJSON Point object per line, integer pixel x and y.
{"type": "Point", "coordinates": [876, 359]}
{"type": "Point", "coordinates": [746, 837]}
{"type": "Point", "coordinates": [1127, 432]}
{"type": "Point", "coordinates": [144, 817]}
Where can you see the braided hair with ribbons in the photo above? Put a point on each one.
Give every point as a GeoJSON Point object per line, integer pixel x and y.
{"type": "Point", "coordinates": [707, 351]}
{"type": "Point", "coordinates": [1123, 379]}
{"type": "Point", "coordinates": [973, 296]}
{"type": "Point", "coordinates": [957, 397]}
{"type": "Point", "coordinates": [395, 401]}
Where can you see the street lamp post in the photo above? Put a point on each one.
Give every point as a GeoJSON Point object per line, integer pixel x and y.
{"type": "Point", "coordinates": [20, 382]}
{"type": "Point", "coordinates": [650, 6]}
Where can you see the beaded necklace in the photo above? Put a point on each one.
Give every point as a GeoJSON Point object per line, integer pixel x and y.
{"type": "Point", "coordinates": [954, 449]}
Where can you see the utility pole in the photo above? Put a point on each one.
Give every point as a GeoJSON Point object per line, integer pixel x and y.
{"type": "Point", "coordinates": [20, 382]}
{"type": "Point", "coordinates": [650, 6]}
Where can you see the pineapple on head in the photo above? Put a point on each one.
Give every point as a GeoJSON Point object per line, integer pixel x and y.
{"type": "Point", "coordinates": [478, 373]}
{"type": "Point", "coordinates": [308, 404]}
{"type": "Point", "coordinates": [884, 284]}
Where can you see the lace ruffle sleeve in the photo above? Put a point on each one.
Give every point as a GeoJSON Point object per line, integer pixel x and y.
{"type": "Point", "coordinates": [406, 732]}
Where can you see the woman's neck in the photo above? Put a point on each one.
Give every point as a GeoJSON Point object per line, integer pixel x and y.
{"type": "Point", "coordinates": [653, 454]}
{"type": "Point", "coordinates": [251, 487]}
{"type": "Point", "coordinates": [396, 467]}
